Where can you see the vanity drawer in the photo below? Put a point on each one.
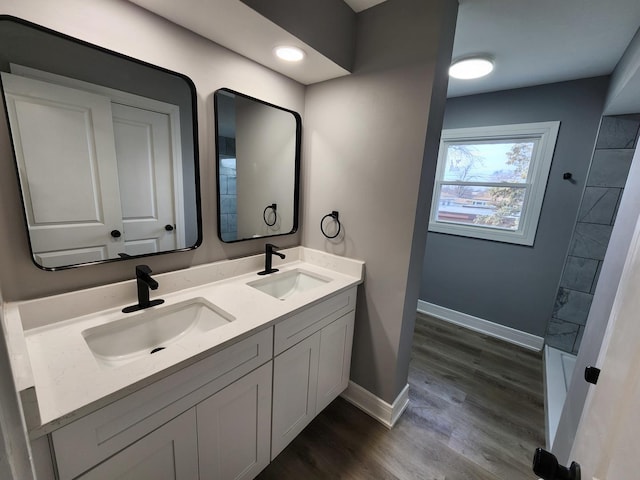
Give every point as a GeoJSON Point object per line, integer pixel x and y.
{"type": "Point", "coordinates": [298, 327]}
{"type": "Point", "coordinates": [95, 437]}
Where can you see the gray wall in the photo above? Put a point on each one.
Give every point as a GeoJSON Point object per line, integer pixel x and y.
{"type": "Point", "coordinates": [128, 29]}
{"type": "Point", "coordinates": [265, 154]}
{"type": "Point", "coordinates": [364, 143]}
{"type": "Point", "coordinates": [617, 139]}
{"type": "Point", "coordinates": [508, 284]}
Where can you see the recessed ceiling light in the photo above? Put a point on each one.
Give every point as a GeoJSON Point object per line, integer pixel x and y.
{"type": "Point", "coordinates": [470, 68]}
{"type": "Point", "coordinates": [290, 54]}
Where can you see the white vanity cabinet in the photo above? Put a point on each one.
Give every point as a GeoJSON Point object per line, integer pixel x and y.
{"type": "Point", "coordinates": [314, 371]}
{"type": "Point", "coordinates": [224, 437]}
{"type": "Point", "coordinates": [295, 383]}
{"type": "Point", "coordinates": [226, 395]}
{"type": "Point", "coordinates": [227, 415]}
{"type": "Point", "coordinates": [334, 364]}
{"type": "Point", "coordinates": [234, 428]}
{"type": "Point", "coordinates": [168, 453]}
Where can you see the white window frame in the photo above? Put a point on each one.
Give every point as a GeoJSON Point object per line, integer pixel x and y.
{"type": "Point", "coordinates": [546, 134]}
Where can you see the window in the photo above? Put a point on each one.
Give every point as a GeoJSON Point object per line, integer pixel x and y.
{"type": "Point", "coordinates": [490, 181]}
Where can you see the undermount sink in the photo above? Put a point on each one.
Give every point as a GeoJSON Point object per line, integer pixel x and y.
{"type": "Point", "coordinates": [122, 341]}
{"type": "Point", "coordinates": [283, 285]}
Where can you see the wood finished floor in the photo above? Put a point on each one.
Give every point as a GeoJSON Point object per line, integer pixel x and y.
{"type": "Point", "coordinates": [476, 412]}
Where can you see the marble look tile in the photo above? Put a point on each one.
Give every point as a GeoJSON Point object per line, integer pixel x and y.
{"type": "Point", "coordinates": [576, 345]}
{"type": "Point", "coordinates": [595, 279]}
{"type": "Point", "coordinates": [609, 168]}
{"type": "Point", "coordinates": [579, 273]}
{"type": "Point", "coordinates": [618, 132]}
{"type": "Point", "coordinates": [228, 163]}
{"type": "Point", "coordinates": [228, 204]}
{"type": "Point", "coordinates": [615, 212]}
{"type": "Point", "coordinates": [227, 146]}
{"type": "Point", "coordinates": [232, 218]}
{"type": "Point", "coordinates": [224, 223]}
{"type": "Point", "coordinates": [590, 240]}
{"type": "Point", "coordinates": [222, 188]}
{"type": "Point", "coordinates": [598, 205]}
{"type": "Point", "coordinates": [561, 335]}
{"type": "Point", "coordinates": [572, 306]}
{"type": "Point", "coordinates": [231, 185]}
{"type": "Point", "coordinates": [222, 145]}
{"type": "Point", "coordinates": [230, 146]}
{"type": "Point", "coordinates": [228, 166]}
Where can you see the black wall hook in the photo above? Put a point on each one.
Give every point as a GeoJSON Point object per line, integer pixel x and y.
{"type": "Point", "coordinates": [567, 175]}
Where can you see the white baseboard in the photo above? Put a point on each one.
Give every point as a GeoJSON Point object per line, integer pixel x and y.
{"type": "Point", "coordinates": [508, 334]}
{"type": "Point", "coordinates": [374, 406]}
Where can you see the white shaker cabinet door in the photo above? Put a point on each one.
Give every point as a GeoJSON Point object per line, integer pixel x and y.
{"type": "Point", "coordinates": [234, 428]}
{"type": "Point", "coordinates": [334, 365]}
{"type": "Point", "coordinates": [168, 453]}
{"type": "Point", "coordinates": [295, 382]}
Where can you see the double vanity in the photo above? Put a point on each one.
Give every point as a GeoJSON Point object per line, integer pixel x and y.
{"type": "Point", "coordinates": [213, 383]}
{"type": "Point", "coordinates": [207, 372]}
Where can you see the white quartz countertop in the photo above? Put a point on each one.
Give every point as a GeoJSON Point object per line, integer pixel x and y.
{"type": "Point", "coordinates": [69, 381]}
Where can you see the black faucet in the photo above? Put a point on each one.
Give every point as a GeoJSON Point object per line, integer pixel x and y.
{"type": "Point", "coordinates": [144, 282]}
{"type": "Point", "coordinates": [270, 251]}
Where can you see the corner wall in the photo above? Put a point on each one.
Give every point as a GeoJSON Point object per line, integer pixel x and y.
{"type": "Point", "coordinates": [131, 30]}
{"type": "Point", "coordinates": [508, 284]}
{"type": "Point", "coordinates": [364, 150]}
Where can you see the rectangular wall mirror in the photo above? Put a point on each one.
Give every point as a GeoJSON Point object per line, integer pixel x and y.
{"type": "Point", "coordinates": [258, 167]}
{"type": "Point", "coordinates": [105, 148]}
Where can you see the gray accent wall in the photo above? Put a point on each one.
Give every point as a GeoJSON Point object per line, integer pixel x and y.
{"type": "Point", "coordinates": [367, 140]}
{"type": "Point", "coordinates": [617, 139]}
{"type": "Point", "coordinates": [515, 285]}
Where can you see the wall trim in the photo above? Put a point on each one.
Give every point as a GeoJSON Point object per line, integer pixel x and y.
{"type": "Point", "coordinates": [508, 334]}
{"type": "Point", "coordinates": [387, 414]}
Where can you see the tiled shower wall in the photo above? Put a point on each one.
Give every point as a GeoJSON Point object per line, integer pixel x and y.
{"type": "Point", "coordinates": [617, 139]}
{"type": "Point", "coordinates": [228, 197]}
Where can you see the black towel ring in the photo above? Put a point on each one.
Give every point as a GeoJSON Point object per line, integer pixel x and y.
{"type": "Point", "coordinates": [335, 216]}
{"type": "Point", "coordinates": [273, 207]}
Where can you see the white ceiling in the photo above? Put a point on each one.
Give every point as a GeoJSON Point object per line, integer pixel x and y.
{"type": "Point", "coordinates": [542, 41]}
{"type": "Point", "coordinates": [533, 42]}
{"type": "Point", "coordinates": [236, 26]}
{"type": "Point", "coordinates": [360, 5]}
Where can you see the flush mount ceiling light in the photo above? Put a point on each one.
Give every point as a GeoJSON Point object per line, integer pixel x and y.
{"type": "Point", "coordinates": [470, 68]}
{"type": "Point", "coordinates": [290, 54]}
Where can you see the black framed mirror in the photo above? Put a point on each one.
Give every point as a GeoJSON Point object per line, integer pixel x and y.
{"type": "Point", "coordinates": [257, 168]}
{"type": "Point", "coordinates": [105, 147]}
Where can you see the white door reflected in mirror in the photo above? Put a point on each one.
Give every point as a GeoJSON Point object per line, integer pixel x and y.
{"type": "Point", "coordinates": [105, 149]}
{"type": "Point", "coordinates": [100, 180]}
